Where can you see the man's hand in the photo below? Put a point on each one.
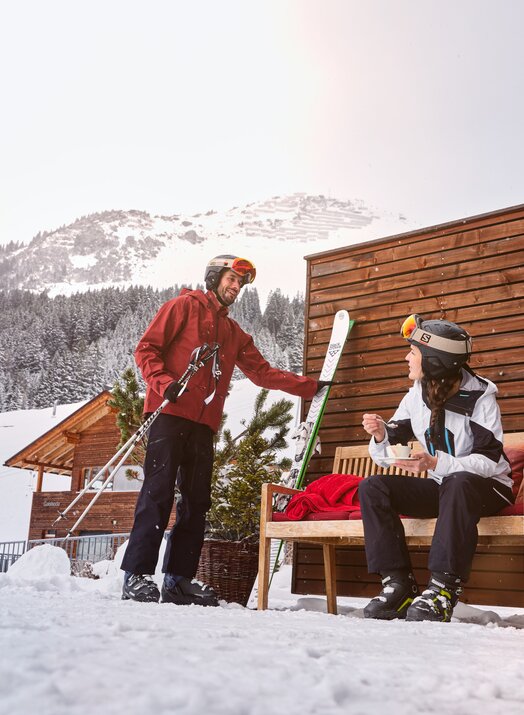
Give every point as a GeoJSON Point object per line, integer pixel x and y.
{"type": "Point", "coordinates": [172, 391]}
{"type": "Point", "coordinates": [419, 462]}
{"type": "Point", "coordinates": [374, 425]}
{"type": "Point", "coordinates": [324, 383]}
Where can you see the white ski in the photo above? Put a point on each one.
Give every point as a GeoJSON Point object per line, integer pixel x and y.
{"type": "Point", "coordinates": [306, 433]}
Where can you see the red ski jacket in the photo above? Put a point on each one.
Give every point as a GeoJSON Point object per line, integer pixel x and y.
{"type": "Point", "coordinates": [187, 322]}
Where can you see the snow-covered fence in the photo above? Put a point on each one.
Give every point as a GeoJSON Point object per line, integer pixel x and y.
{"type": "Point", "coordinates": [80, 549]}
{"type": "Point", "coordinates": [10, 551]}
{"type": "Point", "coordinates": [85, 549]}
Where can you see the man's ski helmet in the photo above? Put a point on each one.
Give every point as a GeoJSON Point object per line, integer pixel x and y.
{"type": "Point", "coordinates": [242, 266]}
{"type": "Point", "coordinates": [445, 346]}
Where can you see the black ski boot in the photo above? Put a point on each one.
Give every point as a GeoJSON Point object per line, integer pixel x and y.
{"type": "Point", "coordinates": [438, 600]}
{"type": "Point", "coordinates": [185, 591]}
{"type": "Point", "coordinates": [138, 587]}
{"type": "Point", "coordinates": [399, 588]}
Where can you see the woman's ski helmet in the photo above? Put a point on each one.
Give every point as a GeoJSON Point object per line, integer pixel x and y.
{"type": "Point", "coordinates": [445, 346]}
{"type": "Point", "coordinates": [242, 266]}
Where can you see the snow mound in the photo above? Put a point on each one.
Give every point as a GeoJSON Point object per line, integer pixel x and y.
{"type": "Point", "coordinates": [39, 562]}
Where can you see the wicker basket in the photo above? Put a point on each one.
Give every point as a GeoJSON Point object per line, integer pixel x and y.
{"type": "Point", "coordinates": [230, 567]}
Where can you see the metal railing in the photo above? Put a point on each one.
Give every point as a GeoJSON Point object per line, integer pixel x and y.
{"type": "Point", "coordinates": [10, 551]}
{"type": "Point", "coordinates": [80, 549]}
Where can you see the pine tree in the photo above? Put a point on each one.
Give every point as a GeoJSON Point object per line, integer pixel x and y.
{"type": "Point", "coordinates": [72, 346]}
{"type": "Point", "coordinates": [242, 465]}
{"type": "Point", "coordinates": [130, 404]}
{"type": "Point", "coordinates": [277, 307]}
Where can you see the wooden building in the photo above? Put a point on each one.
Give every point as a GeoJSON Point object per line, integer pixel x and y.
{"type": "Point", "coordinates": [470, 272]}
{"type": "Point", "coordinates": [79, 446]}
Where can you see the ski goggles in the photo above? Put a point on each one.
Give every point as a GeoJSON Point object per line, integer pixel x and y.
{"type": "Point", "coordinates": [410, 325]}
{"type": "Point", "coordinates": [244, 268]}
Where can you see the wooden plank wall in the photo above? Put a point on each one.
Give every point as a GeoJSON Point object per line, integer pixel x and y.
{"type": "Point", "coordinates": [497, 575]}
{"type": "Point", "coordinates": [97, 444]}
{"type": "Point", "coordinates": [470, 272]}
{"type": "Point", "coordinates": [111, 506]}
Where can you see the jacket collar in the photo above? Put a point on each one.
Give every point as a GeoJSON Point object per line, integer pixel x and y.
{"type": "Point", "coordinates": [217, 305]}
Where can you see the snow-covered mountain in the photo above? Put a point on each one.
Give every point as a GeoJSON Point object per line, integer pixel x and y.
{"type": "Point", "coordinates": [134, 247]}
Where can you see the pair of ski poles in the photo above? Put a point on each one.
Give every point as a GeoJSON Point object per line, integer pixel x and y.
{"type": "Point", "coordinates": [199, 357]}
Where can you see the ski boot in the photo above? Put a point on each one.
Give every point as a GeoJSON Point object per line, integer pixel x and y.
{"type": "Point", "coordinates": [399, 588]}
{"type": "Point", "coordinates": [138, 587]}
{"type": "Point", "coordinates": [438, 600]}
{"type": "Point", "coordinates": [185, 591]}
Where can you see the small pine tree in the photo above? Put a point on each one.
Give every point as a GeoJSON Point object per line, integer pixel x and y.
{"type": "Point", "coordinates": [242, 465]}
{"type": "Point", "coordinates": [130, 404]}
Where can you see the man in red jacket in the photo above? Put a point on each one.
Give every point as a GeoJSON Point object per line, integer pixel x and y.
{"type": "Point", "coordinates": [180, 445]}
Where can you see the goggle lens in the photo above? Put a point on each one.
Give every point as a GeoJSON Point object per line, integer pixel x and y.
{"type": "Point", "coordinates": [409, 325]}
{"type": "Point", "coordinates": [244, 267]}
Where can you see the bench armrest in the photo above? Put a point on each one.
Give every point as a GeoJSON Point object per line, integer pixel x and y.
{"type": "Point", "coordinates": [266, 501]}
{"type": "Point", "coordinates": [269, 489]}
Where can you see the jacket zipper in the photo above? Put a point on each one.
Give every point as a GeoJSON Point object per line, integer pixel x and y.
{"type": "Point", "coordinates": [211, 371]}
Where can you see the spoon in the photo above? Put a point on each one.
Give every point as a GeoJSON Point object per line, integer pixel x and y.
{"type": "Point", "coordinates": [388, 424]}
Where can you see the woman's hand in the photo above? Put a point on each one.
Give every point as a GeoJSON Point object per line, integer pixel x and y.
{"type": "Point", "coordinates": [374, 425]}
{"type": "Point", "coordinates": [419, 462]}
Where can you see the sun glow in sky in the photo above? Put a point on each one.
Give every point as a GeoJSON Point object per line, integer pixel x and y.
{"type": "Point", "coordinates": [169, 106]}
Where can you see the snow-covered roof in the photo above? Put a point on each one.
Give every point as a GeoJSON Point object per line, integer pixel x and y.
{"type": "Point", "coordinates": [54, 449]}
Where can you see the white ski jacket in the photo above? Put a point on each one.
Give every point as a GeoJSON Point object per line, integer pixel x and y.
{"type": "Point", "coordinates": [469, 436]}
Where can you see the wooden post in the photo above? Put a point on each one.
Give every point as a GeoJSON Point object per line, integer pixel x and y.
{"type": "Point", "coordinates": [264, 552]}
{"type": "Point", "coordinates": [330, 575]}
{"type": "Point", "coordinates": [40, 478]}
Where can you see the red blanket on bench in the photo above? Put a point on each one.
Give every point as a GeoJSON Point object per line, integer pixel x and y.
{"type": "Point", "coordinates": [333, 492]}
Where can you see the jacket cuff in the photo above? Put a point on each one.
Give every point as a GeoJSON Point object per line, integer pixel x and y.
{"type": "Point", "coordinates": [160, 384]}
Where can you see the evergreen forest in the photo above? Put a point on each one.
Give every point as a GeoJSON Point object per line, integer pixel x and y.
{"type": "Point", "coordinates": [68, 348]}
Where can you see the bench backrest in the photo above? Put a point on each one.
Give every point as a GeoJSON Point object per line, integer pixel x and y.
{"type": "Point", "coordinates": [356, 459]}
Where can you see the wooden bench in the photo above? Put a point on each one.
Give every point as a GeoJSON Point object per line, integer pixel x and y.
{"type": "Point", "coordinates": [496, 530]}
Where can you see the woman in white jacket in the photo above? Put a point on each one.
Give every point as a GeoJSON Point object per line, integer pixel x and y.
{"type": "Point", "coordinates": [453, 413]}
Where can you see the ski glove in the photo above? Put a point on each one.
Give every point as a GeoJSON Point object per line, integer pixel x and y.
{"type": "Point", "coordinates": [324, 383]}
{"type": "Point", "coordinates": [172, 391]}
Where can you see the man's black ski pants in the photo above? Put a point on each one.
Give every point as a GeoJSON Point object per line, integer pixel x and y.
{"type": "Point", "coordinates": [179, 452]}
{"type": "Point", "coordinates": [458, 503]}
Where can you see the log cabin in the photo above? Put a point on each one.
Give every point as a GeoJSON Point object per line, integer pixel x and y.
{"type": "Point", "coordinates": [79, 446]}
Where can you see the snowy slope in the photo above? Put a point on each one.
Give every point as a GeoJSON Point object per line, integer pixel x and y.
{"type": "Point", "coordinates": [19, 428]}
{"type": "Point", "coordinates": [71, 646]}
{"type": "Point", "coordinates": [133, 247]}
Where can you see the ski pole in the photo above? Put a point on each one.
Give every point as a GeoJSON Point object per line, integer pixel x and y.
{"type": "Point", "coordinates": [198, 359]}
{"type": "Point", "coordinates": [189, 372]}
{"type": "Point", "coordinates": [133, 439]}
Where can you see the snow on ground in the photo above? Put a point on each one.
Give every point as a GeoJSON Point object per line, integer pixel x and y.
{"type": "Point", "coordinates": [71, 646]}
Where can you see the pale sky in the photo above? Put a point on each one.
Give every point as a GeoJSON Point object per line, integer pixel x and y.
{"type": "Point", "coordinates": [168, 106]}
